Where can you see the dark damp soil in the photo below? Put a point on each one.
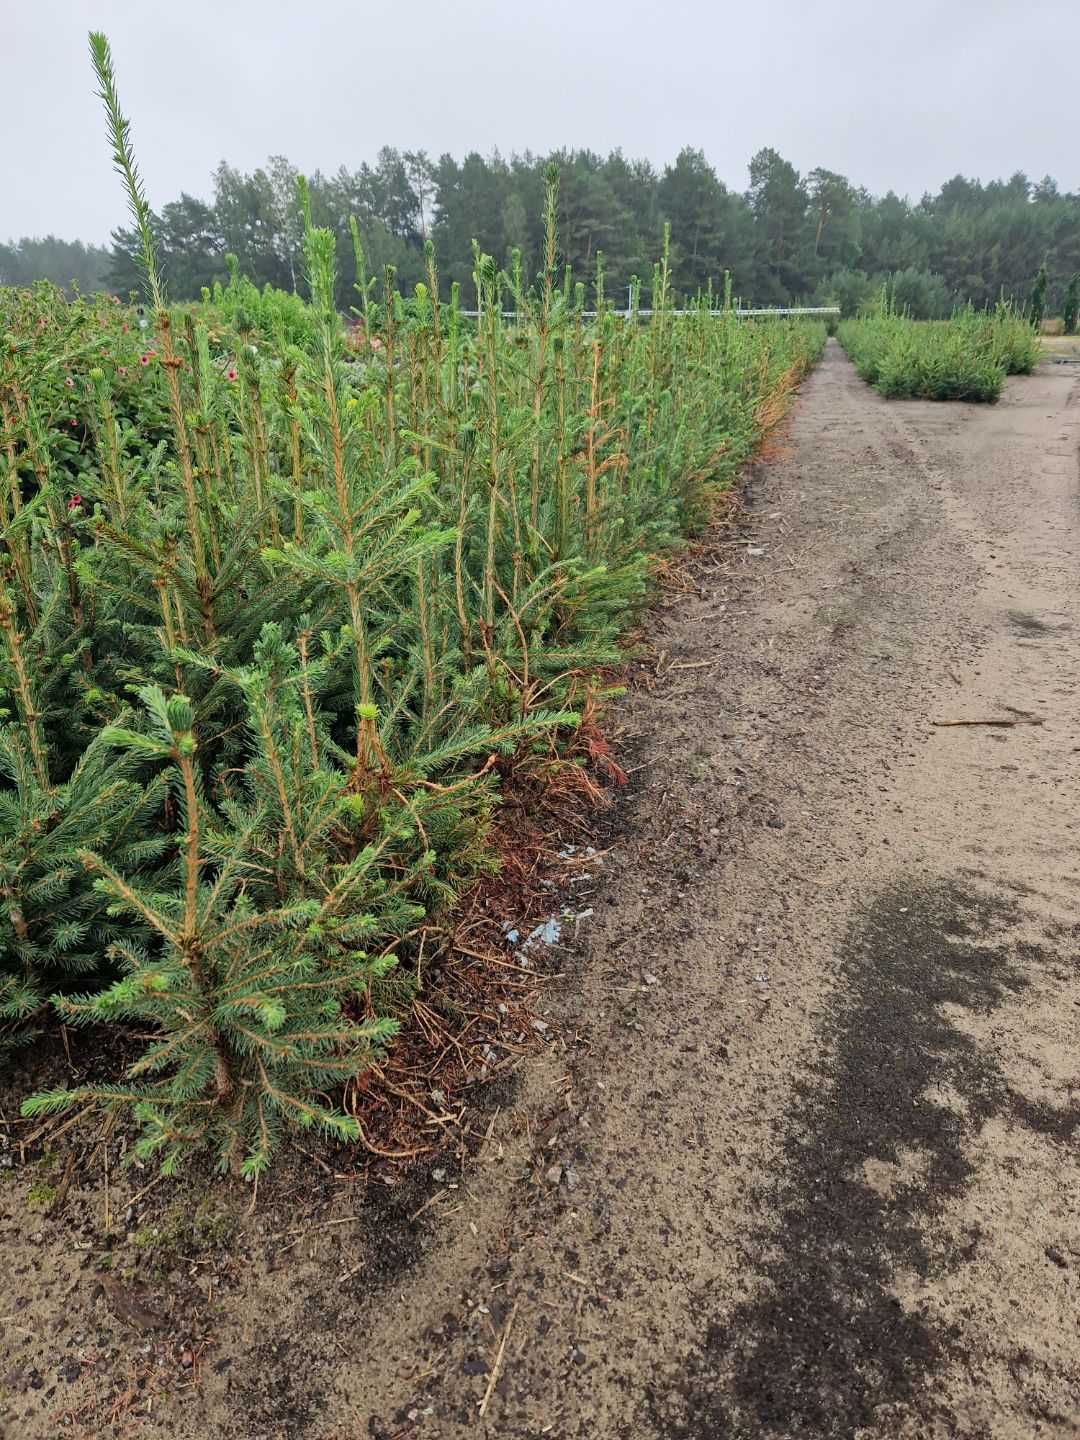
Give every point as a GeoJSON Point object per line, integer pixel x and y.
{"type": "Point", "coordinates": [826, 1345]}
{"type": "Point", "coordinates": [1029, 625]}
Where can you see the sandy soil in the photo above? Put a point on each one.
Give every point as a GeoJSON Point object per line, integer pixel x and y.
{"type": "Point", "coordinates": [800, 1157]}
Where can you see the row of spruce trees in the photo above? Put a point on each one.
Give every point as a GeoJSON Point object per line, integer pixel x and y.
{"type": "Point", "coordinates": [281, 603]}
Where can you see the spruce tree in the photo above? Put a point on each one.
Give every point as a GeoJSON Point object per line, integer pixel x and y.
{"type": "Point", "coordinates": [1037, 303]}
{"type": "Point", "coordinates": [248, 955]}
{"type": "Point", "coordinates": [54, 926]}
{"type": "Point", "coordinates": [1072, 304]}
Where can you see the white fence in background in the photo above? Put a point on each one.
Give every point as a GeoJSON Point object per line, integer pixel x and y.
{"type": "Point", "coordinates": [742, 314]}
{"type": "Point", "coordinates": [791, 310]}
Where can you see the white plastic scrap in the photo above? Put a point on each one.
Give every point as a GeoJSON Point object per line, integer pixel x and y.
{"type": "Point", "coordinates": [548, 933]}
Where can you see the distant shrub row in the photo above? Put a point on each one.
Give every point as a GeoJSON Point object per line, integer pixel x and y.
{"type": "Point", "coordinates": [965, 358]}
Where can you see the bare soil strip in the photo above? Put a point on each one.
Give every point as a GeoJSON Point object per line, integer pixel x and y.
{"type": "Point", "coordinates": [801, 1157]}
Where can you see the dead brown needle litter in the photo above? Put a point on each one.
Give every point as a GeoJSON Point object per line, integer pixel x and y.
{"type": "Point", "coordinates": [498, 1361]}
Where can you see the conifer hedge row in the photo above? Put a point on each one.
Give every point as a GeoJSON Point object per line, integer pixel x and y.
{"type": "Point", "coordinates": [274, 591]}
{"type": "Point", "coordinates": [965, 358]}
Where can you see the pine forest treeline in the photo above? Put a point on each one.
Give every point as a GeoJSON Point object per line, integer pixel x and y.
{"type": "Point", "coordinates": [788, 237]}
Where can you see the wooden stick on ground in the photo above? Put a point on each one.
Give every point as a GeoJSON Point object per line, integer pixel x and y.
{"type": "Point", "coordinates": [1026, 720]}
{"type": "Point", "coordinates": [498, 1361]}
{"type": "Point", "coordinates": [65, 1185]}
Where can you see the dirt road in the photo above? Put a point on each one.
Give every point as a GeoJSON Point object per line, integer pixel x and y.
{"type": "Point", "coordinates": [801, 1157]}
{"type": "Point", "coordinates": [816, 1120]}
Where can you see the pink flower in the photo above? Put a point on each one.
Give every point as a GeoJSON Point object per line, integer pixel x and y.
{"type": "Point", "coordinates": [73, 423]}
{"type": "Point", "coordinates": [121, 370]}
{"type": "Point", "coordinates": [144, 359]}
{"type": "Point", "coordinates": [230, 374]}
{"type": "Point", "coordinates": [69, 382]}
{"type": "Point", "coordinates": [76, 500]}
{"type": "Point", "coordinates": [124, 329]}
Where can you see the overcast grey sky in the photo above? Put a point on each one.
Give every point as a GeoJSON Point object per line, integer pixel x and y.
{"type": "Point", "coordinates": [896, 95]}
